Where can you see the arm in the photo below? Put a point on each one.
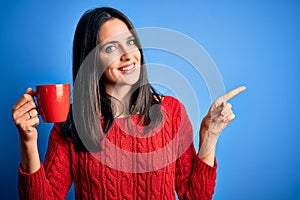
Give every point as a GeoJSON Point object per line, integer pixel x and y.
{"type": "Point", "coordinates": [196, 174]}
{"type": "Point", "coordinates": [26, 119]}
{"type": "Point", "coordinates": [53, 179]}
{"type": "Point", "coordinates": [194, 179]}
{"type": "Point", "coordinates": [35, 181]}
{"type": "Point", "coordinates": [218, 117]}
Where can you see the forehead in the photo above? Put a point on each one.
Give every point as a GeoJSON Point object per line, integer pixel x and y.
{"type": "Point", "coordinates": [113, 28]}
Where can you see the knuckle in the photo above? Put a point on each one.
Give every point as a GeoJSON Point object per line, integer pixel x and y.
{"type": "Point", "coordinates": [34, 112]}
{"type": "Point", "coordinates": [32, 104]}
{"type": "Point", "coordinates": [26, 96]}
{"type": "Point", "coordinates": [14, 116]}
{"type": "Point", "coordinates": [24, 127]}
{"type": "Point", "coordinates": [37, 120]}
{"type": "Point", "coordinates": [231, 117]}
{"type": "Point", "coordinates": [18, 122]}
{"type": "Point", "coordinates": [230, 112]}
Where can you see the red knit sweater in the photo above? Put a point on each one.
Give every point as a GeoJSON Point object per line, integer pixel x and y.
{"type": "Point", "coordinates": [138, 166]}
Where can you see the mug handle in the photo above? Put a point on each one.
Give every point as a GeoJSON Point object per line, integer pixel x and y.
{"type": "Point", "coordinates": [32, 93]}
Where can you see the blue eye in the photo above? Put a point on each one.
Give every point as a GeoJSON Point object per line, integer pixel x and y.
{"type": "Point", "coordinates": [110, 49]}
{"type": "Point", "coordinates": [131, 42]}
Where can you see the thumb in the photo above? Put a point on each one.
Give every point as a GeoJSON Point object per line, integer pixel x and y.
{"type": "Point", "coordinates": [29, 91]}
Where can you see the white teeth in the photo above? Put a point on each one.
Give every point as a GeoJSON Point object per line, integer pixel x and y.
{"type": "Point", "coordinates": [127, 68]}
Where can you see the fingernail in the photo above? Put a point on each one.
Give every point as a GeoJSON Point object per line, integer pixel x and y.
{"type": "Point", "coordinates": [225, 120]}
{"type": "Point", "coordinates": [223, 113]}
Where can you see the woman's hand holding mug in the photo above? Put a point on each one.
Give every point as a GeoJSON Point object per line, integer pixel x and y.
{"type": "Point", "coordinates": [53, 103]}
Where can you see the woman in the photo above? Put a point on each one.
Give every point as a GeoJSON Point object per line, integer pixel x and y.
{"type": "Point", "coordinates": [114, 93]}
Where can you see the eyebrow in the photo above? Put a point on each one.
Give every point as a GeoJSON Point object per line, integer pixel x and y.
{"type": "Point", "coordinates": [115, 41]}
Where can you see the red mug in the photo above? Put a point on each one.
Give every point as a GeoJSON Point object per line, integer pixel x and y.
{"type": "Point", "coordinates": [53, 101]}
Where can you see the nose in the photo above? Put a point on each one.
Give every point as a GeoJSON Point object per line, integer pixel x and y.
{"type": "Point", "coordinates": [127, 55]}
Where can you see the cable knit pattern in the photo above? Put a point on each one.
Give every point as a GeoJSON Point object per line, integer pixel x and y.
{"type": "Point", "coordinates": [176, 166]}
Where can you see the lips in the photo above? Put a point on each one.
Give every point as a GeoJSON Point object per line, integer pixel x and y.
{"type": "Point", "coordinates": [127, 68]}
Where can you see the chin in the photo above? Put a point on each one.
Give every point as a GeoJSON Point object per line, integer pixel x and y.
{"type": "Point", "coordinates": [131, 79]}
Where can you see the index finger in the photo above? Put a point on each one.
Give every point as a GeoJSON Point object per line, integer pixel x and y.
{"type": "Point", "coordinates": [24, 99]}
{"type": "Point", "coordinates": [234, 92]}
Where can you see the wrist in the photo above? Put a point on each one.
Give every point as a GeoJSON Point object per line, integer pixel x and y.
{"type": "Point", "coordinates": [206, 134]}
{"type": "Point", "coordinates": [28, 138]}
{"type": "Point", "coordinates": [27, 143]}
{"type": "Point", "coordinates": [30, 161]}
{"type": "Point", "coordinates": [209, 159]}
{"type": "Point", "coordinates": [207, 146]}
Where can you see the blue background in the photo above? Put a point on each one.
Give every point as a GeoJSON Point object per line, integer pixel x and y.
{"type": "Point", "coordinates": [255, 43]}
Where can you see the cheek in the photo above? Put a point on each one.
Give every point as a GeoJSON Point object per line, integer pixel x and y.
{"type": "Point", "coordinates": [138, 56]}
{"type": "Point", "coordinates": [110, 72]}
{"type": "Point", "coordinates": [105, 62]}
{"type": "Point", "coordinates": [108, 60]}
{"type": "Point", "coordinates": [108, 76]}
{"type": "Point", "coordinates": [108, 66]}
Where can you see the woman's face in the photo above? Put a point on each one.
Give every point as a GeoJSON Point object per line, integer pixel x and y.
{"type": "Point", "coordinates": [119, 53]}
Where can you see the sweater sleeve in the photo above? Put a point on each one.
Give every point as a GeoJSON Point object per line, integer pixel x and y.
{"type": "Point", "coordinates": [53, 179]}
{"type": "Point", "coordinates": [194, 179]}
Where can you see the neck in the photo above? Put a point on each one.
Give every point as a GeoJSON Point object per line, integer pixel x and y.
{"type": "Point", "coordinates": [122, 93]}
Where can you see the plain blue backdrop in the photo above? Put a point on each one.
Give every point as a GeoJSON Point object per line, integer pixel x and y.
{"type": "Point", "coordinates": [255, 43]}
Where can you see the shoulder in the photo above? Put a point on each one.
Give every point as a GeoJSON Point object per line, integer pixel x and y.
{"type": "Point", "coordinates": [170, 101]}
{"type": "Point", "coordinates": [177, 116]}
{"type": "Point", "coordinates": [173, 106]}
{"type": "Point", "coordinates": [166, 100]}
{"type": "Point", "coordinates": [57, 136]}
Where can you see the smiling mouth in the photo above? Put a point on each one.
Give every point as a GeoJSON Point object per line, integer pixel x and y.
{"type": "Point", "coordinates": [128, 68]}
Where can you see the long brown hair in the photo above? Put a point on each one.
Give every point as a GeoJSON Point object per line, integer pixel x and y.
{"type": "Point", "coordinates": [90, 99]}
